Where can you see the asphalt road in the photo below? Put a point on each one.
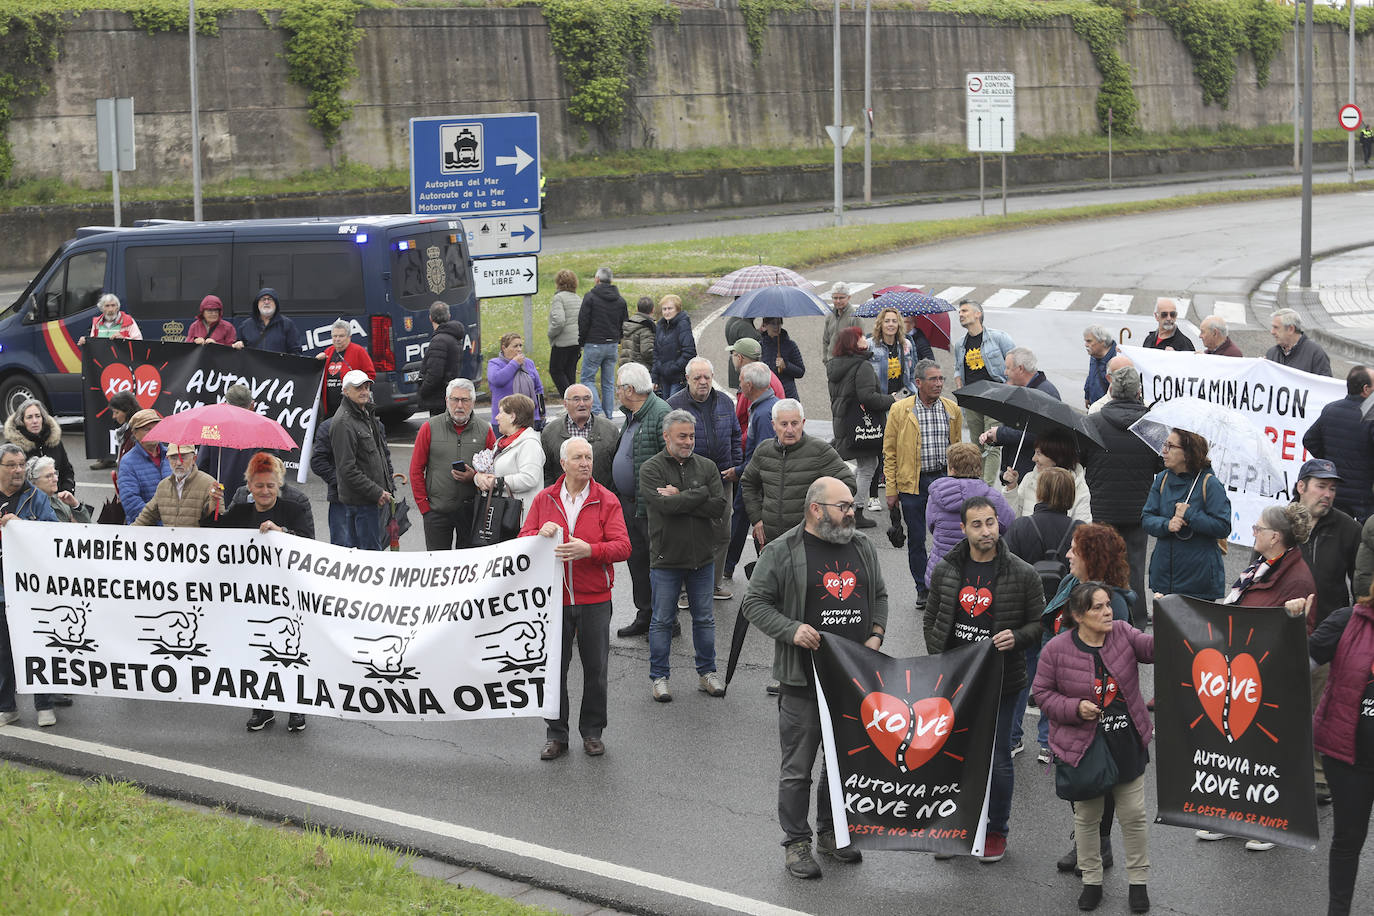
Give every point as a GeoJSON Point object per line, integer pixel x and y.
{"type": "Point", "coordinates": [679, 816]}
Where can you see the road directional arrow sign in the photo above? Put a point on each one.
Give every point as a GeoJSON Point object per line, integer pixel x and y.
{"type": "Point", "coordinates": [502, 235]}
{"type": "Point", "coordinates": [506, 277]}
{"type": "Point", "coordinates": [991, 105]}
{"type": "Point", "coordinates": [463, 164]}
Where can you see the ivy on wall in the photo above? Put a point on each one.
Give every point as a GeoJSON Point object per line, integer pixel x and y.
{"type": "Point", "coordinates": [28, 44]}
{"type": "Point", "coordinates": [756, 13]}
{"type": "Point", "coordinates": [319, 58]}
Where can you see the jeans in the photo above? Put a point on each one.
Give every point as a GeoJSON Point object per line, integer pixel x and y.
{"type": "Point", "coordinates": [447, 530]}
{"type": "Point", "coordinates": [866, 469]}
{"type": "Point", "coordinates": [914, 514]}
{"type": "Point", "coordinates": [1003, 776]}
{"type": "Point", "coordinates": [590, 624]}
{"type": "Point", "coordinates": [563, 366]}
{"type": "Point", "coordinates": [641, 587]}
{"type": "Point", "coordinates": [668, 584]}
{"type": "Point", "coordinates": [7, 680]}
{"type": "Point", "coordinates": [1032, 662]}
{"type": "Point", "coordinates": [600, 356]}
{"type": "Point", "coordinates": [1352, 798]}
{"type": "Point", "coordinates": [1135, 832]}
{"type": "Point", "coordinates": [339, 534]}
{"type": "Point", "coordinates": [673, 388]}
{"type": "Point", "coordinates": [364, 525]}
{"type": "Point", "coordinates": [799, 734]}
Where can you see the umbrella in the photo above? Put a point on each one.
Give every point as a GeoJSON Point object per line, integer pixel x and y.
{"type": "Point", "coordinates": [778, 302]}
{"type": "Point", "coordinates": [224, 425]}
{"type": "Point", "coordinates": [1240, 452]}
{"type": "Point", "coordinates": [933, 321]}
{"type": "Point", "coordinates": [1028, 409]}
{"type": "Point", "coordinates": [748, 279]}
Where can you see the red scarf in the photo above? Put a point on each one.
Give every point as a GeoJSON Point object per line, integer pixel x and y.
{"type": "Point", "coordinates": [505, 441]}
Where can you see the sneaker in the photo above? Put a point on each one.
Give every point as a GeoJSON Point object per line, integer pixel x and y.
{"type": "Point", "coordinates": [1210, 835]}
{"type": "Point", "coordinates": [994, 848]}
{"type": "Point", "coordinates": [773, 688]}
{"type": "Point", "coordinates": [1139, 899]}
{"type": "Point", "coordinates": [295, 722]}
{"type": "Point", "coordinates": [1252, 845]}
{"type": "Point", "coordinates": [875, 504]}
{"type": "Point", "coordinates": [1019, 749]}
{"type": "Point", "coordinates": [6, 718]}
{"type": "Point", "coordinates": [825, 845]}
{"type": "Point", "coordinates": [47, 717]}
{"type": "Point", "coordinates": [1044, 756]}
{"type": "Point", "coordinates": [682, 603]}
{"type": "Point", "coordinates": [1090, 898]}
{"type": "Point", "coordinates": [661, 692]}
{"type": "Point", "coordinates": [260, 719]}
{"type": "Point", "coordinates": [799, 862]}
{"type": "Point", "coordinates": [60, 699]}
{"type": "Point", "coordinates": [712, 684]}
{"type": "Point", "coordinates": [722, 593]}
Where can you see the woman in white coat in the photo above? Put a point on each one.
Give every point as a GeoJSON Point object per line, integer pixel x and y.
{"type": "Point", "coordinates": [519, 458]}
{"type": "Point", "coordinates": [1053, 449]}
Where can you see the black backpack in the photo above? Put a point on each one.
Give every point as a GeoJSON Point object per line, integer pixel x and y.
{"type": "Point", "coordinates": [1052, 567]}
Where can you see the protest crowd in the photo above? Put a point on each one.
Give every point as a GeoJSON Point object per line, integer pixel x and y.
{"type": "Point", "coordinates": [1050, 546]}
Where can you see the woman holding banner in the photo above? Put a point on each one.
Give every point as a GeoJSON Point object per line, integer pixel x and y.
{"type": "Point", "coordinates": [1279, 574]}
{"type": "Point", "coordinates": [1189, 514]}
{"type": "Point", "coordinates": [1088, 685]}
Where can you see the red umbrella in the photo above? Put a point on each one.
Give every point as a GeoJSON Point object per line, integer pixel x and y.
{"type": "Point", "coordinates": [935, 327]}
{"type": "Point", "coordinates": [224, 425]}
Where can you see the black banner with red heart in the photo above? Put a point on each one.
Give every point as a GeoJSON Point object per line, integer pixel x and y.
{"type": "Point", "coordinates": [908, 744]}
{"type": "Point", "coordinates": [171, 377]}
{"type": "Point", "coordinates": [1233, 721]}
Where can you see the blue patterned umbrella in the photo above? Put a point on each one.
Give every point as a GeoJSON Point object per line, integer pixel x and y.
{"type": "Point", "coordinates": [907, 302]}
{"type": "Point", "coordinates": [778, 302]}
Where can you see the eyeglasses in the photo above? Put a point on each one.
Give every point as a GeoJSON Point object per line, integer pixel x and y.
{"type": "Point", "coordinates": [1168, 314]}
{"type": "Point", "coordinates": [845, 508]}
{"type": "Point", "coordinates": [11, 466]}
{"type": "Point", "coordinates": [1261, 528]}
{"type": "Point", "coordinates": [1169, 447]}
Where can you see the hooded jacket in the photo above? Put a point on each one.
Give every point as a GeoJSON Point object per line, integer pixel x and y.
{"type": "Point", "coordinates": [47, 444]}
{"type": "Point", "coordinates": [1119, 473]}
{"type": "Point", "coordinates": [673, 347]}
{"type": "Point", "coordinates": [222, 333]}
{"type": "Point", "coordinates": [1189, 562]}
{"type": "Point", "coordinates": [443, 363]}
{"type": "Point", "coordinates": [637, 341]}
{"type": "Point", "coordinates": [602, 315]}
{"type": "Point", "coordinates": [279, 335]}
{"type": "Point", "coordinates": [947, 495]}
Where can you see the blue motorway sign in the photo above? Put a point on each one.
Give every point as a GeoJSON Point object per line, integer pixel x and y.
{"type": "Point", "coordinates": [474, 164]}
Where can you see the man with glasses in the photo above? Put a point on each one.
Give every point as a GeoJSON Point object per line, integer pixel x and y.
{"type": "Point", "coordinates": [1167, 336]}
{"type": "Point", "coordinates": [789, 600]}
{"type": "Point", "coordinates": [441, 468]}
{"type": "Point", "coordinates": [580, 422]}
{"type": "Point", "coordinates": [18, 499]}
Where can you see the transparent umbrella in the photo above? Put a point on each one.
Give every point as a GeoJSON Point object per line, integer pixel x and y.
{"type": "Point", "coordinates": [1241, 454]}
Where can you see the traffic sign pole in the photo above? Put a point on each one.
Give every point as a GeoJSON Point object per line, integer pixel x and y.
{"type": "Point", "coordinates": [1350, 118]}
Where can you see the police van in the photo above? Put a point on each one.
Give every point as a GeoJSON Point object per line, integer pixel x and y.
{"type": "Point", "coordinates": [379, 273]}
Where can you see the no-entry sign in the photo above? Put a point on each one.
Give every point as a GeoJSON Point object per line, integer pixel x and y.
{"type": "Point", "coordinates": [1351, 116]}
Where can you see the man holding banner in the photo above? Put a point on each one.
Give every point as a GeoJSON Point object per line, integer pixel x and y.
{"type": "Point", "coordinates": [18, 499]}
{"type": "Point", "coordinates": [816, 578]}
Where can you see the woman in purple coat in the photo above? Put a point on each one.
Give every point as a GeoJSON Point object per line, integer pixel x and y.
{"type": "Point", "coordinates": [514, 373]}
{"type": "Point", "coordinates": [947, 494]}
{"type": "Point", "coordinates": [1088, 684]}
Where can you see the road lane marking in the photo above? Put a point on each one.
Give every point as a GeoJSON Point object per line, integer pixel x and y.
{"type": "Point", "coordinates": [1004, 298]}
{"type": "Point", "coordinates": [1057, 301]}
{"type": "Point", "coordinates": [472, 836]}
{"type": "Point", "coordinates": [953, 294]}
{"type": "Point", "coordinates": [1116, 303]}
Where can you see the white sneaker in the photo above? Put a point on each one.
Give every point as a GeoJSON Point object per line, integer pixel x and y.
{"type": "Point", "coordinates": [1044, 756]}
{"type": "Point", "coordinates": [1258, 846]}
{"type": "Point", "coordinates": [875, 504]}
{"type": "Point", "coordinates": [1210, 835]}
{"type": "Point", "coordinates": [47, 717]}
{"type": "Point", "coordinates": [661, 692]}
{"type": "Point", "coordinates": [1016, 751]}
{"type": "Point", "coordinates": [711, 684]}
{"type": "Point", "coordinates": [8, 717]}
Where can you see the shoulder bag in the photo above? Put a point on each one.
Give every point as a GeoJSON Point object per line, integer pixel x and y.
{"type": "Point", "coordinates": [497, 517]}
{"type": "Point", "coordinates": [1094, 776]}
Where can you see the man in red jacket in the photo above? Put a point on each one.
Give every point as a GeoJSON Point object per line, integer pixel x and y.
{"type": "Point", "coordinates": [341, 357]}
{"type": "Point", "coordinates": [588, 519]}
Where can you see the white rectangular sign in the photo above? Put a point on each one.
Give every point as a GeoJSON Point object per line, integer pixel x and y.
{"type": "Point", "coordinates": [239, 618]}
{"type": "Point", "coordinates": [990, 100]}
{"type": "Point", "coordinates": [506, 276]}
{"type": "Point", "coordinates": [501, 235]}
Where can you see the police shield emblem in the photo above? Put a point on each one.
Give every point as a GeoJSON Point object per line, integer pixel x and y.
{"type": "Point", "coordinates": [434, 270]}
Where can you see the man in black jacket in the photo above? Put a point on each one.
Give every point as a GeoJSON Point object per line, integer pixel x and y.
{"type": "Point", "coordinates": [443, 359]}
{"type": "Point", "coordinates": [1120, 474]}
{"type": "Point", "coordinates": [361, 461]}
{"type": "Point", "coordinates": [1343, 436]}
{"type": "Point", "coordinates": [599, 325]}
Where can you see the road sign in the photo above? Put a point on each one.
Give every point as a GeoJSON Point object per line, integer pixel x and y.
{"type": "Point", "coordinates": [474, 163]}
{"type": "Point", "coordinates": [1351, 116]}
{"type": "Point", "coordinates": [504, 235]}
{"type": "Point", "coordinates": [990, 100]}
{"type": "Point", "coordinates": [114, 129]}
{"type": "Point", "coordinates": [506, 276]}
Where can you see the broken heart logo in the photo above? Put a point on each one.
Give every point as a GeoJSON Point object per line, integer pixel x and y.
{"type": "Point", "coordinates": [143, 381]}
{"type": "Point", "coordinates": [907, 734]}
{"type": "Point", "coordinates": [1105, 697]}
{"type": "Point", "coordinates": [1229, 689]}
{"type": "Point", "coordinates": [975, 600]}
{"type": "Point", "coordinates": [839, 583]}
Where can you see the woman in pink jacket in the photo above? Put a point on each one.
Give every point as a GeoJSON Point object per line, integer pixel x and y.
{"type": "Point", "coordinates": [1088, 684]}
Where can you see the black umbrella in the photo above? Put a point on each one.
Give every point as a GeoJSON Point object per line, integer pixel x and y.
{"type": "Point", "coordinates": [741, 629]}
{"type": "Point", "coordinates": [1027, 409]}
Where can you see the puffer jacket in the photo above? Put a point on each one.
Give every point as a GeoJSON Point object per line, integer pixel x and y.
{"type": "Point", "coordinates": [777, 478]}
{"type": "Point", "coordinates": [49, 445]}
{"type": "Point", "coordinates": [1119, 476]}
{"type": "Point", "coordinates": [793, 366]}
{"type": "Point", "coordinates": [1066, 675]}
{"type": "Point", "coordinates": [718, 433]}
{"type": "Point", "coordinates": [850, 380]}
{"type": "Point", "coordinates": [673, 347]}
{"type": "Point", "coordinates": [1018, 599]}
{"type": "Point", "coordinates": [563, 318]}
{"type": "Point", "coordinates": [637, 341]}
{"type": "Point", "coordinates": [521, 466]}
{"type": "Point", "coordinates": [184, 511]}
{"type": "Point", "coordinates": [601, 524]}
{"type": "Point", "coordinates": [602, 314]}
{"type": "Point", "coordinates": [138, 477]}
{"type": "Point", "coordinates": [879, 361]}
{"type": "Point", "coordinates": [1190, 562]}
{"type": "Point", "coordinates": [648, 439]}
{"type": "Point", "coordinates": [362, 461]}
{"type": "Point", "coordinates": [947, 495]}
{"type": "Point", "coordinates": [1345, 640]}
{"type": "Point", "coordinates": [443, 363]}
{"type": "Point", "coordinates": [1342, 435]}
{"type": "Point", "coordinates": [280, 335]}
{"type": "Point", "coordinates": [684, 527]}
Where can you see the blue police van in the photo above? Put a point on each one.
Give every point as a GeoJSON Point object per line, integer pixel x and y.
{"type": "Point", "coordinates": [379, 273]}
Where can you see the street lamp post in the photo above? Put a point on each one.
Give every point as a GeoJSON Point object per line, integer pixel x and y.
{"type": "Point", "coordinates": [837, 121]}
{"type": "Point", "coordinates": [1305, 265]}
{"type": "Point", "coordinates": [868, 100]}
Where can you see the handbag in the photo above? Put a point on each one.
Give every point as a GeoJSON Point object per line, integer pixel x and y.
{"type": "Point", "coordinates": [865, 433]}
{"type": "Point", "coordinates": [540, 414]}
{"type": "Point", "coordinates": [497, 517]}
{"type": "Point", "coordinates": [1094, 776]}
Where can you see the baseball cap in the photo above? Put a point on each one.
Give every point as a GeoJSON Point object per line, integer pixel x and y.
{"type": "Point", "coordinates": [183, 447]}
{"type": "Point", "coordinates": [144, 417]}
{"type": "Point", "coordinates": [356, 377]}
{"type": "Point", "coordinates": [1320, 468]}
{"type": "Point", "coordinates": [747, 346]}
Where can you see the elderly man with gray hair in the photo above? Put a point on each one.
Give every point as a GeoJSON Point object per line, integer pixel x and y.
{"type": "Point", "coordinates": [341, 357]}
{"type": "Point", "coordinates": [441, 471]}
{"type": "Point", "coordinates": [782, 468]}
{"type": "Point", "coordinates": [1018, 450]}
{"type": "Point", "coordinates": [841, 316]}
{"type": "Point", "coordinates": [640, 439]}
{"type": "Point", "coordinates": [1101, 347]}
{"type": "Point", "coordinates": [599, 326]}
{"type": "Point", "coordinates": [18, 499]}
{"type": "Point", "coordinates": [1294, 348]}
{"type": "Point", "coordinates": [1216, 337]}
{"type": "Point", "coordinates": [1120, 473]}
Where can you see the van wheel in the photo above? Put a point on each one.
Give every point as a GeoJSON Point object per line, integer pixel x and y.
{"type": "Point", "coordinates": [15, 390]}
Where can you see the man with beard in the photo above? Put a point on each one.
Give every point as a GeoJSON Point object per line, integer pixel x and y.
{"type": "Point", "coordinates": [788, 600]}
{"type": "Point", "coordinates": [184, 498]}
{"type": "Point", "coordinates": [1167, 336]}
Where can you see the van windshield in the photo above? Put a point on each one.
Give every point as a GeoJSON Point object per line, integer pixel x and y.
{"type": "Point", "coordinates": [426, 266]}
{"type": "Point", "coordinates": [17, 305]}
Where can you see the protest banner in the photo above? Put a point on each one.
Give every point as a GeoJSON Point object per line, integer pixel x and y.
{"type": "Point", "coordinates": [908, 744]}
{"type": "Point", "coordinates": [1283, 402]}
{"type": "Point", "coordinates": [170, 377]}
{"type": "Point", "coordinates": [1233, 721]}
{"type": "Point", "coordinates": [239, 618]}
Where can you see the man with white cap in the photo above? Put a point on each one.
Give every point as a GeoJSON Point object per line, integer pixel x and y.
{"type": "Point", "coordinates": [360, 461]}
